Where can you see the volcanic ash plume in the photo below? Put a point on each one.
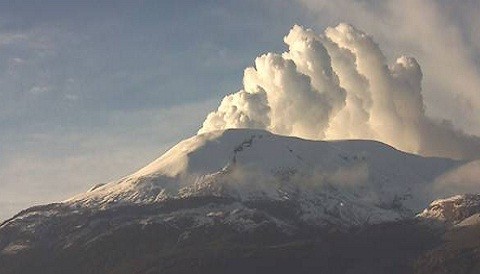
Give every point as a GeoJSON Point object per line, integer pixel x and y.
{"type": "Point", "coordinates": [338, 86]}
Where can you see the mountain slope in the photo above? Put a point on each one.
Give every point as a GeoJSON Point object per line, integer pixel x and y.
{"type": "Point", "coordinates": [226, 195]}
{"type": "Point", "coordinates": [255, 164]}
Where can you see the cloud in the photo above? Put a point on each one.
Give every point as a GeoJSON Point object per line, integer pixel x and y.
{"type": "Point", "coordinates": [11, 38]}
{"type": "Point", "coordinates": [339, 85]}
{"type": "Point", "coordinates": [241, 109]}
{"type": "Point", "coordinates": [464, 179]}
{"type": "Point", "coordinates": [39, 89]}
{"type": "Point", "coordinates": [129, 79]}
{"type": "Point", "coordinates": [442, 35]}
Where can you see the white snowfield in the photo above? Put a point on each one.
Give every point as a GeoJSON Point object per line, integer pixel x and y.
{"type": "Point", "coordinates": [352, 181]}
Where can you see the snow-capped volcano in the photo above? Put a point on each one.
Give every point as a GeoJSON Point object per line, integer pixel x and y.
{"type": "Point", "coordinates": [364, 181]}
{"type": "Point", "coordinates": [232, 199]}
{"type": "Point", "coordinates": [236, 192]}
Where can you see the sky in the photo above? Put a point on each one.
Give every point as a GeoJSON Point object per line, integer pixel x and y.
{"type": "Point", "coordinates": [91, 91]}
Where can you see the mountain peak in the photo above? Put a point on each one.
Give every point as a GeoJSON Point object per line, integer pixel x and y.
{"type": "Point", "coordinates": [245, 184]}
{"type": "Point", "coordinates": [365, 180]}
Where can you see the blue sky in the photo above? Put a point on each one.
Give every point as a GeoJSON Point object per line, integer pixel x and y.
{"type": "Point", "coordinates": [92, 90]}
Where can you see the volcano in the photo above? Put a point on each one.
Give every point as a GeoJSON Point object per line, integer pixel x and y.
{"type": "Point", "coordinates": [250, 201]}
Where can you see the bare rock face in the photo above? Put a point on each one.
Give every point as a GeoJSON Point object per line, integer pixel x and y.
{"type": "Point", "coordinates": [453, 210]}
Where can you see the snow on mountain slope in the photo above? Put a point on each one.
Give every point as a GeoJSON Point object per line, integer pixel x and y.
{"type": "Point", "coordinates": [240, 182]}
{"type": "Point", "coordinates": [459, 209]}
{"type": "Point", "coordinates": [357, 181]}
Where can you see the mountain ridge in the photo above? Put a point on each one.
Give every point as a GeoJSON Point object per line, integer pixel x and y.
{"type": "Point", "coordinates": [245, 191]}
{"type": "Point", "coordinates": [261, 153]}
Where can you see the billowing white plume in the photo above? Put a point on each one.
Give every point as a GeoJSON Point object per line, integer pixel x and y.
{"type": "Point", "coordinates": [338, 86]}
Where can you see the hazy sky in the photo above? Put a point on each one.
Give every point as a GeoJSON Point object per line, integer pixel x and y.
{"type": "Point", "coordinates": [91, 92]}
